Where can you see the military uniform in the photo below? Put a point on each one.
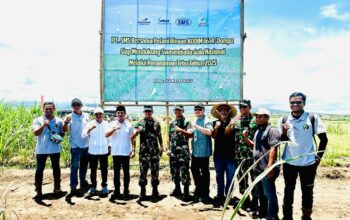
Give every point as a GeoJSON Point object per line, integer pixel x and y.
{"type": "Point", "coordinates": [179, 152]}
{"type": "Point", "coordinates": [243, 151]}
{"type": "Point", "coordinates": [149, 150]}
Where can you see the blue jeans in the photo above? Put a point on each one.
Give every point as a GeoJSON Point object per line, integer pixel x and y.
{"type": "Point", "coordinates": [268, 198]}
{"type": "Point", "coordinates": [79, 161]}
{"type": "Point", "coordinates": [222, 165]}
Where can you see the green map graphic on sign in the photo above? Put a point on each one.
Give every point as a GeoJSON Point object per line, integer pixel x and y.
{"type": "Point", "coordinates": [172, 50]}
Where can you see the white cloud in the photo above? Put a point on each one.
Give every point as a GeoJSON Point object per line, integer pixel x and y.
{"type": "Point", "coordinates": [320, 69]}
{"type": "Point", "coordinates": [53, 51]}
{"type": "Point", "coordinates": [331, 11]}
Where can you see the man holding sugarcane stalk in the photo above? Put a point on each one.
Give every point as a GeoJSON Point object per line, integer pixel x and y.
{"type": "Point", "coordinates": [264, 141]}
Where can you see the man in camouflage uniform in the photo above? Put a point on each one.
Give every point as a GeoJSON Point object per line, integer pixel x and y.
{"type": "Point", "coordinates": [243, 122]}
{"type": "Point", "coordinates": [180, 130]}
{"type": "Point", "coordinates": [149, 154]}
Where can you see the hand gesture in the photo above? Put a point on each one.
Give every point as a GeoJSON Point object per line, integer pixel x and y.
{"type": "Point", "coordinates": [285, 128]}
{"type": "Point", "coordinates": [139, 129]}
{"type": "Point", "coordinates": [117, 127]}
{"type": "Point", "coordinates": [168, 152]}
{"type": "Point", "coordinates": [177, 128]}
{"type": "Point", "coordinates": [67, 119]}
{"type": "Point", "coordinates": [245, 134]}
{"type": "Point", "coordinates": [46, 122]}
{"type": "Point", "coordinates": [217, 124]}
{"type": "Point", "coordinates": [92, 127]}
{"type": "Point", "coordinates": [232, 122]}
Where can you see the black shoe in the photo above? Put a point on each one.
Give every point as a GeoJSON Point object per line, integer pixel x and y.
{"type": "Point", "coordinates": [126, 194]}
{"type": "Point", "coordinates": [206, 199]}
{"type": "Point", "coordinates": [155, 193]}
{"type": "Point", "coordinates": [142, 196]}
{"type": "Point", "coordinates": [254, 215]}
{"type": "Point", "coordinates": [74, 191]}
{"type": "Point", "coordinates": [177, 191]}
{"type": "Point", "coordinates": [219, 200]}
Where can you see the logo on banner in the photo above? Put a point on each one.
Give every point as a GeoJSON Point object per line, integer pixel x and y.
{"type": "Point", "coordinates": [163, 21]}
{"type": "Point", "coordinates": [144, 21]}
{"type": "Point", "coordinates": [183, 22]}
{"type": "Point", "coordinates": [203, 22]}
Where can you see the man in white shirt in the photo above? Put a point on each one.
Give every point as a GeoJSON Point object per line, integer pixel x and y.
{"type": "Point", "coordinates": [98, 150]}
{"type": "Point", "coordinates": [300, 127]}
{"type": "Point", "coordinates": [120, 132]}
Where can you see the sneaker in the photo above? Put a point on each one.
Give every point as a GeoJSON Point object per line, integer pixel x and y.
{"type": "Point", "coordinates": [92, 191]}
{"type": "Point", "coordinates": [104, 191]}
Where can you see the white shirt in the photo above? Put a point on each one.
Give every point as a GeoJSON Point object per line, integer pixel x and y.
{"type": "Point", "coordinates": [121, 143]}
{"type": "Point", "coordinates": [300, 135]}
{"type": "Point", "coordinates": [98, 143]}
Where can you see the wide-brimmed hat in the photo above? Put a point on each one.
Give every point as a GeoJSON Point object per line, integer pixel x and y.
{"type": "Point", "coordinates": [215, 113]}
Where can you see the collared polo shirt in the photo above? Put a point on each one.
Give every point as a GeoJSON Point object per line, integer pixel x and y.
{"type": "Point", "coordinates": [43, 144]}
{"type": "Point", "coordinates": [121, 143]}
{"type": "Point", "coordinates": [76, 126]}
{"type": "Point", "coordinates": [201, 143]}
{"type": "Point", "coordinates": [98, 143]}
{"type": "Point", "coordinates": [301, 137]}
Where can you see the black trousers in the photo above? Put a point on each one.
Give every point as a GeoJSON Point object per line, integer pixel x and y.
{"type": "Point", "coordinates": [201, 175]}
{"type": "Point", "coordinates": [307, 178]}
{"type": "Point", "coordinates": [121, 162]}
{"type": "Point", "coordinates": [94, 159]}
{"type": "Point", "coordinates": [40, 166]}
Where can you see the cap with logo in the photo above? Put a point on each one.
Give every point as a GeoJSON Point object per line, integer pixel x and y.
{"type": "Point", "coordinates": [76, 101]}
{"type": "Point", "coordinates": [148, 108]}
{"type": "Point", "coordinates": [178, 106]}
{"type": "Point", "coordinates": [244, 102]}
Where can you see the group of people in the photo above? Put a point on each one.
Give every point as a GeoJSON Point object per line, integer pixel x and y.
{"type": "Point", "coordinates": [238, 140]}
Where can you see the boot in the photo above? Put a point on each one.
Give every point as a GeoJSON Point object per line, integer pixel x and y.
{"type": "Point", "coordinates": [142, 196]}
{"type": "Point", "coordinates": [57, 187]}
{"type": "Point", "coordinates": [155, 193]}
{"type": "Point", "coordinates": [287, 212]}
{"type": "Point", "coordinates": [306, 214]}
{"type": "Point", "coordinates": [38, 190]}
{"type": "Point", "coordinates": [186, 195]}
{"type": "Point", "coordinates": [177, 191]}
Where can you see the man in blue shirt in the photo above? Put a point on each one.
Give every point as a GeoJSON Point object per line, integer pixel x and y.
{"type": "Point", "coordinates": [201, 152]}
{"type": "Point", "coordinates": [75, 122]}
{"type": "Point", "coordinates": [43, 127]}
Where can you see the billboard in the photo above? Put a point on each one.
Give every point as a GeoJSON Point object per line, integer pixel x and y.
{"type": "Point", "coordinates": [171, 50]}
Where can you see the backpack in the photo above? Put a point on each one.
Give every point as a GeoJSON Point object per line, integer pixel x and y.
{"type": "Point", "coordinates": [312, 119]}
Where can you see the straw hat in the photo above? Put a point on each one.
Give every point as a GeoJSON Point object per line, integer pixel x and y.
{"type": "Point", "coordinates": [215, 113]}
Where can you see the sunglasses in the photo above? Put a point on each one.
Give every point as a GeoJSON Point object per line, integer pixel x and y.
{"type": "Point", "coordinates": [242, 106]}
{"type": "Point", "coordinates": [98, 114]}
{"type": "Point", "coordinates": [76, 105]}
{"type": "Point", "coordinates": [198, 109]}
{"type": "Point", "coordinates": [296, 102]}
{"type": "Point", "coordinates": [147, 111]}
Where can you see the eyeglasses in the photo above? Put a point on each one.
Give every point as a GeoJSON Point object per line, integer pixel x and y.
{"type": "Point", "coordinates": [242, 106]}
{"type": "Point", "coordinates": [198, 109]}
{"type": "Point", "coordinates": [296, 102]}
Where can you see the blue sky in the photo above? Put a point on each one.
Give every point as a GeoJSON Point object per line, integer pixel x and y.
{"type": "Point", "coordinates": [52, 48]}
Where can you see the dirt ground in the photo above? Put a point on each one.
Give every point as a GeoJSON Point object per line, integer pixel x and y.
{"type": "Point", "coordinates": [332, 199]}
